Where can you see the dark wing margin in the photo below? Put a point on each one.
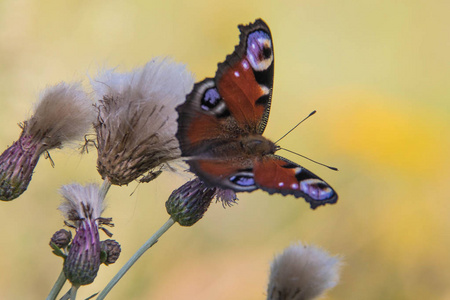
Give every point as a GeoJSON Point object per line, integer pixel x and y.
{"type": "Point", "coordinates": [276, 174]}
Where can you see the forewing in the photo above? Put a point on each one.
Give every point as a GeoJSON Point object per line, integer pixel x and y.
{"type": "Point", "coordinates": [234, 103]}
{"type": "Point", "coordinates": [245, 79]}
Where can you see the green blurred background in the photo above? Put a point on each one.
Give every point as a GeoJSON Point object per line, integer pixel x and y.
{"type": "Point", "coordinates": [378, 74]}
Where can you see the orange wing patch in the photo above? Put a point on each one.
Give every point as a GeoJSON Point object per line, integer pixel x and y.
{"type": "Point", "coordinates": [238, 84]}
{"type": "Point", "coordinates": [270, 174]}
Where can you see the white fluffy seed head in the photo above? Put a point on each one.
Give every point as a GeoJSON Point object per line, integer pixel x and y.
{"type": "Point", "coordinates": [81, 202]}
{"type": "Point", "coordinates": [302, 273]}
{"type": "Point", "coordinates": [161, 82]}
{"type": "Point", "coordinates": [136, 123]}
{"type": "Point", "coordinates": [63, 113]}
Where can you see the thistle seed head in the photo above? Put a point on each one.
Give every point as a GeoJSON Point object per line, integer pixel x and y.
{"type": "Point", "coordinates": [302, 273]}
{"type": "Point", "coordinates": [63, 113]}
{"type": "Point", "coordinates": [136, 122]}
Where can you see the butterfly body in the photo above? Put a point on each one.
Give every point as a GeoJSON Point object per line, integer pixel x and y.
{"type": "Point", "coordinates": [221, 123]}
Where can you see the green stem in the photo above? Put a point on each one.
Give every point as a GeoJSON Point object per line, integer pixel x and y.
{"type": "Point", "coordinates": [73, 292]}
{"type": "Point", "coordinates": [104, 188]}
{"type": "Point", "coordinates": [150, 242]}
{"type": "Point", "coordinates": [57, 286]}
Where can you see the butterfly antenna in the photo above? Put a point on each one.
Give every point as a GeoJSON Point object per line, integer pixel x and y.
{"type": "Point", "coordinates": [329, 167]}
{"type": "Point", "coordinates": [295, 126]}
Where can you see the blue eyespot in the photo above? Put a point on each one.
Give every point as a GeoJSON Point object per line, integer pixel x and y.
{"type": "Point", "coordinates": [242, 180]}
{"type": "Point", "coordinates": [316, 189]}
{"type": "Point", "coordinates": [259, 50]}
{"type": "Point", "coordinates": [210, 99]}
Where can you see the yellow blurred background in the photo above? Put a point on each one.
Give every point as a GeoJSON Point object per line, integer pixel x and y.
{"type": "Point", "coordinates": [377, 72]}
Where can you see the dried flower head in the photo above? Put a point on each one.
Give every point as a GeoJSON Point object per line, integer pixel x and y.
{"type": "Point", "coordinates": [302, 273]}
{"type": "Point", "coordinates": [82, 208]}
{"type": "Point", "coordinates": [136, 122]}
{"type": "Point", "coordinates": [187, 204]}
{"type": "Point", "coordinates": [64, 113]}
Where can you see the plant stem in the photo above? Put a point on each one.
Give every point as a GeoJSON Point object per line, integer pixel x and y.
{"type": "Point", "coordinates": [73, 292]}
{"type": "Point", "coordinates": [104, 188]}
{"type": "Point", "coordinates": [150, 242]}
{"type": "Point", "coordinates": [57, 286]}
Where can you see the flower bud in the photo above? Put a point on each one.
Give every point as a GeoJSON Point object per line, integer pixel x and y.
{"type": "Point", "coordinates": [16, 166]}
{"type": "Point", "coordinates": [187, 204]}
{"type": "Point", "coordinates": [61, 238]}
{"type": "Point", "coordinates": [111, 249]}
{"type": "Point", "coordinates": [83, 261]}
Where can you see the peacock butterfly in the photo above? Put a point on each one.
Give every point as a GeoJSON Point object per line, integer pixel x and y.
{"type": "Point", "coordinates": [221, 123]}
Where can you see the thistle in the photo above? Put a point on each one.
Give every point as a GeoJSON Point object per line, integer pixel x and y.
{"type": "Point", "coordinates": [302, 273]}
{"type": "Point", "coordinates": [187, 204]}
{"type": "Point", "coordinates": [136, 122]}
{"type": "Point", "coordinates": [64, 113]}
{"type": "Point", "coordinates": [82, 208]}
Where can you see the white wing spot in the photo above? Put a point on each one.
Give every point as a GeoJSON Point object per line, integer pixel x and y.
{"type": "Point", "coordinates": [265, 90]}
{"type": "Point", "coordinates": [236, 73]}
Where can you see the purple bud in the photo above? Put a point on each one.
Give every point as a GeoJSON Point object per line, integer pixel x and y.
{"type": "Point", "coordinates": [61, 238]}
{"type": "Point", "coordinates": [83, 261]}
{"type": "Point", "coordinates": [187, 204]}
{"type": "Point", "coordinates": [112, 250]}
{"type": "Point", "coordinates": [16, 166]}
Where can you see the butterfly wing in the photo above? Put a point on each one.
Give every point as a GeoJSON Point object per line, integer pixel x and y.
{"type": "Point", "coordinates": [234, 103]}
{"type": "Point", "coordinates": [220, 111]}
{"type": "Point", "coordinates": [271, 173]}
{"type": "Point", "coordinates": [236, 175]}
{"type": "Point", "coordinates": [245, 79]}
{"type": "Point", "coordinates": [276, 174]}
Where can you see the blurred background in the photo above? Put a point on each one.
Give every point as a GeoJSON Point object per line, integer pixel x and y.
{"type": "Point", "coordinates": [376, 71]}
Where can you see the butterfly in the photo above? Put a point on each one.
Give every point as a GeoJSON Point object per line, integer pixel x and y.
{"type": "Point", "coordinates": [220, 126]}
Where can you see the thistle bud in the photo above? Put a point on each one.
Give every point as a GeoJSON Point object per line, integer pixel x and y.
{"type": "Point", "coordinates": [83, 261]}
{"type": "Point", "coordinates": [16, 166]}
{"type": "Point", "coordinates": [136, 121]}
{"type": "Point", "coordinates": [302, 273]}
{"type": "Point", "coordinates": [63, 113]}
{"type": "Point", "coordinates": [187, 204]}
{"type": "Point", "coordinates": [61, 238]}
{"type": "Point", "coordinates": [82, 208]}
{"type": "Point", "coordinates": [111, 250]}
